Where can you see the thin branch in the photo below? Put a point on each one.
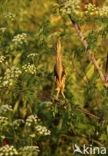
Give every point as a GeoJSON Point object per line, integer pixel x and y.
{"type": "Point", "coordinates": [90, 54]}
{"type": "Point", "coordinates": [78, 30]}
{"type": "Point", "coordinates": [88, 113]}
{"type": "Point", "coordinates": [93, 59]}
{"type": "Point", "coordinates": [97, 142]}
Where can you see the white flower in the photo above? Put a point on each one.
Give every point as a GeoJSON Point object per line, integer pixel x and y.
{"type": "Point", "coordinates": [19, 39]}
{"type": "Point", "coordinates": [5, 108]}
{"type": "Point", "coordinates": [103, 11]}
{"type": "Point", "coordinates": [8, 150]}
{"type": "Point", "coordinates": [30, 68]}
{"type": "Point", "coordinates": [10, 75]}
{"type": "Point", "coordinates": [42, 130]}
{"type": "Point", "coordinates": [3, 119]}
{"type": "Point", "coordinates": [32, 119]}
{"type": "Point", "coordinates": [2, 58]}
{"type": "Point", "coordinates": [10, 16]}
{"type": "Point", "coordinates": [32, 55]}
{"type": "Point", "coordinates": [92, 10]}
{"type": "Point", "coordinates": [70, 6]}
{"type": "Point", "coordinates": [30, 150]}
{"type": "Point", "coordinates": [3, 29]}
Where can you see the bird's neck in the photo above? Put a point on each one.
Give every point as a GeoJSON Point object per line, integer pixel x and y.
{"type": "Point", "coordinates": [59, 59]}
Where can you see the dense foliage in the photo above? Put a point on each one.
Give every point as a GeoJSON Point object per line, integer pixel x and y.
{"type": "Point", "coordinates": [32, 122]}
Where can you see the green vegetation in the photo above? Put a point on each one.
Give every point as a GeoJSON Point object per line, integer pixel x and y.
{"type": "Point", "coordinates": [32, 121]}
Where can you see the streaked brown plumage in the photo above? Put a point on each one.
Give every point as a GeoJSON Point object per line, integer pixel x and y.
{"type": "Point", "coordinates": [59, 71]}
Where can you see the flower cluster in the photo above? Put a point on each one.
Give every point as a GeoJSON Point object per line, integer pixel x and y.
{"type": "Point", "coordinates": [70, 6]}
{"type": "Point", "coordinates": [103, 11]}
{"type": "Point", "coordinates": [2, 58]}
{"type": "Point", "coordinates": [32, 119]}
{"type": "Point", "coordinates": [17, 123]}
{"type": "Point", "coordinates": [27, 150]}
{"type": "Point", "coordinates": [32, 55]}
{"type": "Point", "coordinates": [29, 68]}
{"type": "Point", "coordinates": [10, 75]}
{"type": "Point", "coordinates": [73, 8]}
{"type": "Point", "coordinates": [3, 29]}
{"type": "Point", "coordinates": [10, 16]}
{"type": "Point", "coordinates": [5, 109]}
{"type": "Point", "coordinates": [20, 39]}
{"type": "Point", "coordinates": [8, 151]}
{"type": "Point", "coordinates": [42, 130]}
{"type": "Point", "coordinates": [3, 120]}
{"type": "Point", "coordinates": [92, 10]}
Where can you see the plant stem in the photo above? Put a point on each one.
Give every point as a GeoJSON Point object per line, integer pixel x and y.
{"type": "Point", "coordinates": [90, 54]}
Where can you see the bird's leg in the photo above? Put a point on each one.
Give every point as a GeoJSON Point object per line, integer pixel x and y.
{"type": "Point", "coordinates": [58, 92]}
{"type": "Point", "coordinates": [62, 93]}
{"type": "Point", "coordinates": [63, 86]}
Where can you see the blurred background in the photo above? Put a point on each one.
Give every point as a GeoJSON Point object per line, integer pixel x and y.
{"type": "Point", "coordinates": [29, 30]}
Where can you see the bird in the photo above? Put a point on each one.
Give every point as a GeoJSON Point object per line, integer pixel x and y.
{"type": "Point", "coordinates": [59, 71]}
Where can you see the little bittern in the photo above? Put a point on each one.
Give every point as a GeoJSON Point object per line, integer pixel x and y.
{"type": "Point", "coordinates": [59, 71]}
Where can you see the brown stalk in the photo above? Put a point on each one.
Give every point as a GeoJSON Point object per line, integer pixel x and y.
{"type": "Point", "coordinates": [85, 111]}
{"type": "Point", "coordinates": [90, 54]}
